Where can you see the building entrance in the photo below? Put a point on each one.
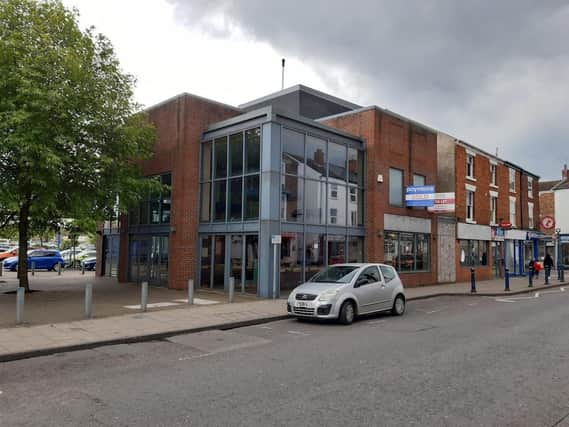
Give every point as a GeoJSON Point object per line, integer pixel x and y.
{"type": "Point", "coordinates": [148, 260]}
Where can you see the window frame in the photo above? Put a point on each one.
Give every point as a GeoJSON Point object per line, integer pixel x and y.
{"type": "Point", "coordinates": [470, 172]}
{"type": "Point", "coordinates": [426, 260]}
{"type": "Point", "coordinates": [470, 197]}
{"type": "Point", "coordinates": [399, 203]}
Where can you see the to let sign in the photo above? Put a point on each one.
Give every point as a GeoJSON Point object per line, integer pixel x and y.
{"type": "Point", "coordinates": [443, 203]}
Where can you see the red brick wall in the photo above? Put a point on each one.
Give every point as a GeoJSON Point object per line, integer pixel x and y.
{"type": "Point", "coordinates": [180, 123]}
{"type": "Point", "coordinates": [547, 208]}
{"type": "Point", "coordinates": [392, 142]}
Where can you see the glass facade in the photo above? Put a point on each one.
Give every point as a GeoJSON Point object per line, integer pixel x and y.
{"type": "Point", "coordinates": [156, 208]}
{"type": "Point", "coordinates": [407, 252]}
{"type": "Point", "coordinates": [473, 253]}
{"type": "Point", "coordinates": [234, 189]}
{"type": "Point", "coordinates": [148, 259]}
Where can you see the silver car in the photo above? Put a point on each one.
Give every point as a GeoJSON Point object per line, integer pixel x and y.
{"type": "Point", "coordinates": [344, 291]}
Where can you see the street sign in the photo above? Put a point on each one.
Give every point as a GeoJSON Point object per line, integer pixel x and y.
{"type": "Point", "coordinates": [420, 196]}
{"type": "Point", "coordinates": [443, 203]}
{"type": "Point", "coordinates": [547, 222]}
{"type": "Point", "coordinates": [276, 239]}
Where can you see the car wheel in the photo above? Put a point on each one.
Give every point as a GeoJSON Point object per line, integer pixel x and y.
{"type": "Point", "coordinates": [347, 313]}
{"type": "Point", "coordinates": [398, 306]}
{"type": "Point", "coordinates": [53, 267]}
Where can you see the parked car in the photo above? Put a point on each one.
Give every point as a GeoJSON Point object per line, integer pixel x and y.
{"type": "Point", "coordinates": [11, 252]}
{"type": "Point", "coordinates": [89, 263]}
{"type": "Point", "coordinates": [44, 260]}
{"type": "Point", "coordinates": [344, 291]}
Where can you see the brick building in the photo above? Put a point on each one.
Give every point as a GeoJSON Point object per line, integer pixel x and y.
{"type": "Point", "coordinates": [327, 176]}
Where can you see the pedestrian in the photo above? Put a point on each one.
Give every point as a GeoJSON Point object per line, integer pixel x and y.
{"type": "Point", "coordinates": [531, 267]}
{"type": "Point", "coordinates": [548, 265]}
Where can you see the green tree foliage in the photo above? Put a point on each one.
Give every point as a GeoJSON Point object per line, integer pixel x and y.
{"type": "Point", "coordinates": [71, 135]}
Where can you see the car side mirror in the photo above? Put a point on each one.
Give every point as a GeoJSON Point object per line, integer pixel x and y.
{"type": "Point", "coordinates": [361, 281]}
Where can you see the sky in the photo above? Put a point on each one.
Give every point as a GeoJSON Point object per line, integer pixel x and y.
{"type": "Point", "coordinates": [494, 74]}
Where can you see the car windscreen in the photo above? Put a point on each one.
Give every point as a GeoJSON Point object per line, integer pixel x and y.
{"type": "Point", "coordinates": [336, 274]}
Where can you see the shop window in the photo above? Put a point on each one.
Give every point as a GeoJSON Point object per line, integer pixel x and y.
{"type": "Point", "coordinates": [407, 251]}
{"type": "Point", "coordinates": [293, 152]}
{"type": "Point", "coordinates": [355, 249]}
{"type": "Point", "coordinates": [292, 251]}
{"type": "Point", "coordinates": [395, 187]}
{"type": "Point", "coordinates": [473, 253]}
{"type": "Point", "coordinates": [336, 249]}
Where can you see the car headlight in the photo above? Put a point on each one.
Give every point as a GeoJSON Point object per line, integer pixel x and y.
{"type": "Point", "coordinates": [328, 295]}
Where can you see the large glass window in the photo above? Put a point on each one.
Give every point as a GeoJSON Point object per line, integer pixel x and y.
{"type": "Point", "coordinates": [473, 253]}
{"type": "Point", "coordinates": [219, 203]}
{"type": "Point", "coordinates": [292, 251]}
{"type": "Point", "coordinates": [355, 249]}
{"type": "Point", "coordinates": [315, 203]}
{"type": "Point", "coordinates": [155, 208]}
{"type": "Point", "coordinates": [395, 187]}
{"type": "Point", "coordinates": [293, 152]}
{"type": "Point", "coordinates": [316, 155]}
{"type": "Point", "coordinates": [337, 205]}
{"type": "Point", "coordinates": [235, 199]}
{"type": "Point", "coordinates": [220, 155]}
{"type": "Point", "coordinates": [356, 166]}
{"type": "Point", "coordinates": [337, 161]}
{"type": "Point", "coordinates": [291, 198]}
{"type": "Point", "coordinates": [234, 189]}
{"type": "Point", "coordinates": [251, 197]}
{"type": "Point", "coordinates": [336, 249]}
{"type": "Point", "coordinates": [314, 253]}
{"type": "Point", "coordinates": [236, 154]}
{"type": "Point", "coordinates": [407, 251]}
{"type": "Point", "coordinates": [253, 150]}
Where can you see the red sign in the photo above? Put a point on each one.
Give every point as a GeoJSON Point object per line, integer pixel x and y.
{"type": "Point", "coordinates": [548, 222]}
{"type": "Point", "coordinates": [505, 224]}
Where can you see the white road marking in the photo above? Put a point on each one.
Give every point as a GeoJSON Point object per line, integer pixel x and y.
{"type": "Point", "coordinates": [304, 334]}
{"type": "Point", "coordinates": [515, 299]}
{"type": "Point", "coordinates": [198, 301]}
{"type": "Point", "coordinates": [198, 356]}
{"type": "Point", "coordinates": [433, 311]}
{"type": "Point", "coordinates": [266, 327]}
{"type": "Point", "coordinates": [153, 305]}
{"type": "Point", "coordinates": [472, 304]}
{"type": "Point", "coordinates": [375, 322]}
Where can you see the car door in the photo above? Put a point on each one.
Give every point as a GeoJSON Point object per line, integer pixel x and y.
{"type": "Point", "coordinates": [367, 290]}
{"type": "Point", "coordinates": [389, 283]}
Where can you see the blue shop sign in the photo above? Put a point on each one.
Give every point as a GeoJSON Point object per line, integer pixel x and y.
{"type": "Point", "coordinates": [420, 196]}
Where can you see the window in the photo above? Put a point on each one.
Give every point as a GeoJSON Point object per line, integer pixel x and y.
{"type": "Point", "coordinates": [355, 249]}
{"type": "Point", "coordinates": [291, 198]}
{"type": "Point", "coordinates": [512, 178]}
{"type": "Point", "coordinates": [395, 187]}
{"type": "Point", "coordinates": [530, 187]}
{"type": "Point", "coordinates": [315, 203]}
{"type": "Point", "coordinates": [513, 210]}
{"type": "Point", "coordinates": [353, 195]}
{"type": "Point", "coordinates": [493, 209]}
{"type": "Point", "coordinates": [493, 173]}
{"type": "Point", "coordinates": [371, 274]}
{"type": "Point", "coordinates": [418, 180]}
{"type": "Point", "coordinates": [155, 208]}
{"type": "Point", "coordinates": [469, 205]}
{"type": "Point", "coordinates": [407, 251]}
{"type": "Point", "coordinates": [293, 152]}
{"type": "Point", "coordinates": [356, 166]}
{"type": "Point", "coordinates": [530, 215]}
{"type": "Point", "coordinates": [470, 165]}
{"type": "Point", "coordinates": [337, 159]}
{"type": "Point", "coordinates": [231, 191]}
{"type": "Point", "coordinates": [316, 154]}
{"type": "Point", "coordinates": [473, 253]}
{"type": "Point", "coordinates": [336, 249]}
{"type": "Point", "coordinates": [333, 191]}
{"type": "Point", "coordinates": [333, 216]}
{"type": "Point", "coordinates": [388, 273]}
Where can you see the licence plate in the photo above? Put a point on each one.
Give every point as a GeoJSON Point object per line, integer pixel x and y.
{"type": "Point", "coordinates": [303, 304]}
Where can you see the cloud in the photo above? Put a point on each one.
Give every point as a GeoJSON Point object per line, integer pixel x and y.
{"type": "Point", "coordinates": [492, 73]}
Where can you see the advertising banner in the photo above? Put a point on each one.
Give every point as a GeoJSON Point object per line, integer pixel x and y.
{"type": "Point", "coordinates": [420, 196]}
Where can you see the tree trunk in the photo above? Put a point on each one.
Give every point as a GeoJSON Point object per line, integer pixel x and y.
{"type": "Point", "coordinates": [23, 231]}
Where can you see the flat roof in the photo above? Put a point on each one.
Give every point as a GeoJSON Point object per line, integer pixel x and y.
{"type": "Point", "coordinates": [305, 89]}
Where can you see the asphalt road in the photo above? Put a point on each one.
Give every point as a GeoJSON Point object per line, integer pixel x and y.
{"type": "Point", "coordinates": [456, 361]}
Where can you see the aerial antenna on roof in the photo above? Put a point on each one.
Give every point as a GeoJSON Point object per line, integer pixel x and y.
{"type": "Point", "coordinates": [282, 77]}
{"type": "Point", "coordinates": [496, 151]}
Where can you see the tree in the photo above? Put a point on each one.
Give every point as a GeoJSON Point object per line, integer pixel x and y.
{"type": "Point", "coordinates": [71, 135]}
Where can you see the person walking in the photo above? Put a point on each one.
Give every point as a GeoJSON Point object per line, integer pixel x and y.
{"type": "Point", "coordinates": [548, 265]}
{"type": "Point", "coordinates": [531, 270]}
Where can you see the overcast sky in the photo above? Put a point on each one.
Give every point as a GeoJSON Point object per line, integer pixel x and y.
{"type": "Point", "coordinates": [493, 73]}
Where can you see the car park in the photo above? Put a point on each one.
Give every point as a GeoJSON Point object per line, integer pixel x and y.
{"type": "Point", "coordinates": [344, 291]}
{"type": "Point", "coordinates": [43, 259]}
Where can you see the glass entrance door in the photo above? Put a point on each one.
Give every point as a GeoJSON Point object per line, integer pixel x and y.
{"type": "Point", "coordinates": [219, 262]}
{"type": "Point", "coordinates": [498, 263]}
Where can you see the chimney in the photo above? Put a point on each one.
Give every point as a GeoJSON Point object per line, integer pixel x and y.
{"type": "Point", "coordinates": [565, 172]}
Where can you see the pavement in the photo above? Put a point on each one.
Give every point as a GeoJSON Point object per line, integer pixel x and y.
{"type": "Point", "coordinates": [52, 314]}
{"type": "Point", "coordinates": [450, 361]}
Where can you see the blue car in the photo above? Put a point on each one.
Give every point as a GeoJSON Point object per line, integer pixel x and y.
{"type": "Point", "coordinates": [44, 260]}
{"type": "Point", "coordinates": [89, 263]}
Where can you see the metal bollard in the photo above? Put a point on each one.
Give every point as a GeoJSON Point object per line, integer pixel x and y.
{"type": "Point", "coordinates": [191, 291]}
{"type": "Point", "coordinates": [59, 269]}
{"type": "Point", "coordinates": [1, 267]}
{"type": "Point", "coordinates": [88, 300]}
{"type": "Point", "coordinates": [82, 268]}
{"type": "Point", "coordinates": [33, 268]}
{"type": "Point", "coordinates": [231, 289]}
{"type": "Point", "coordinates": [472, 281]}
{"type": "Point", "coordinates": [507, 279]}
{"type": "Point", "coordinates": [562, 279]}
{"type": "Point", "coordinates": [144, 296]}
{"type": "Point", "coordinates": [530, 278]}
{"type": "Point", "coordinates": [20, 293]}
